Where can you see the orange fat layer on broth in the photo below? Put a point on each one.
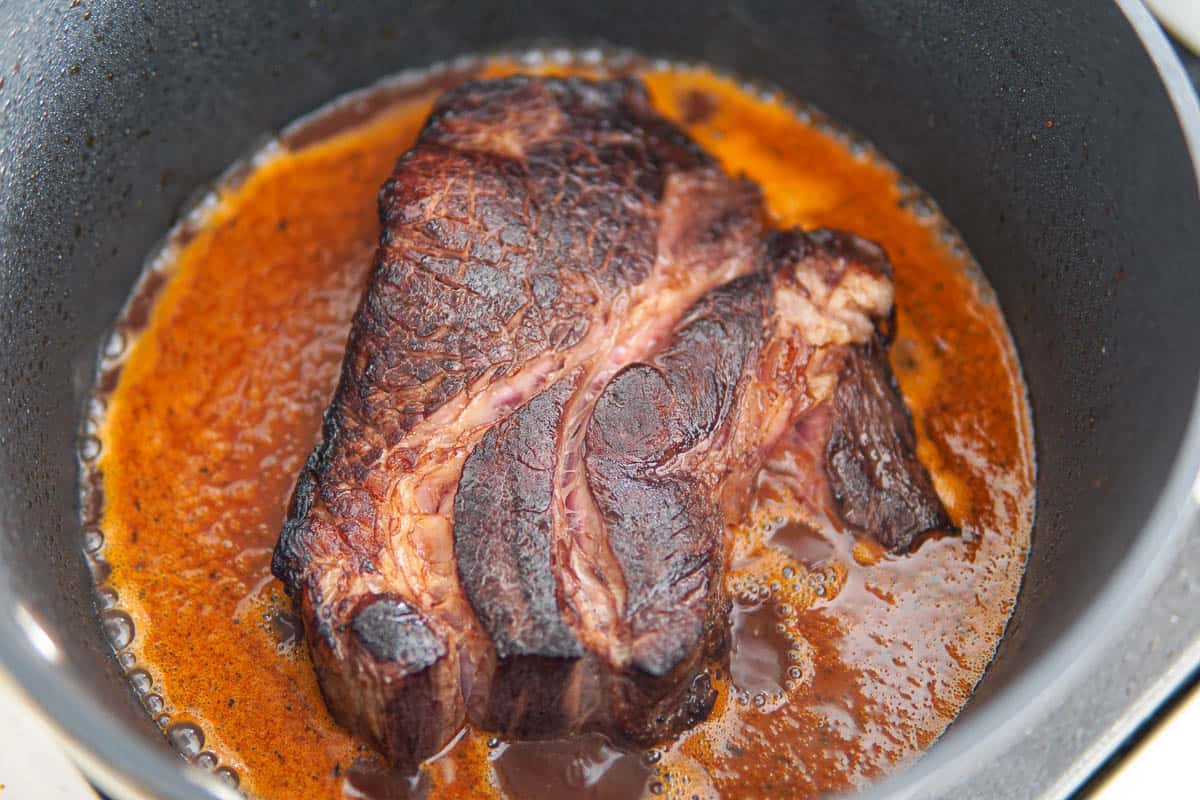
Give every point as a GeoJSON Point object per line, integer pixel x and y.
{"type": "Point", "coordinates": [217, 402]}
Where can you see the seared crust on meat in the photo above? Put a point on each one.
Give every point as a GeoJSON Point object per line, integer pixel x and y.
{"type": "Point", "coordinates": [577, 345]}
{"type": "Point", "coordinates": [520, 235]}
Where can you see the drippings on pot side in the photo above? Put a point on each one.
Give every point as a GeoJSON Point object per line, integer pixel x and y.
{"type": "Point", "coordinates": [845, 661]}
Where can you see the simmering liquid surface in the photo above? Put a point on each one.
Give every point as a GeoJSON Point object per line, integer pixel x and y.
{"type": "Point", "coordinates": [846, 661]}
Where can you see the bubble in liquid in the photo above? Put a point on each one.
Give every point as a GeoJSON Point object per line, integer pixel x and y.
{"type": "Point", "coordinates": [859, 148]}
{"type": "Point", "coordinates": [229, 776]}
{"type": "Point", "coordinates": [789, 573]}
{"type": "Point", "coordinates": [493, 742]}
{"type": "Point", "coordinates": [153, 703]}
{"type": "Point", "coordinates": [921, 207]}
{"type": "Point", "coordinates": [126, 660]}
{"type": "Point", "coordinates": [115, 346]}
{"type": "Point", "coordinates": [760, 700]}
{"type": "Point", "coordinates": [140, 680]}
{"type": "Point", "coordinates": [286, 628]}
{"type": "Point", "coordinates": [118, 627]}
{"type": "Point", "coordinates": [795, 672]}
{"type": "Point", "coordinates": [206, 760]}
{"type": "Point", "coordinates": [96, 407]}
{"type": "Point", "coordinates": [93, 540]}
{"type": "Point", "coordinates": [101, 569]}
{"type": "Point", "coordinates": [163, 721]}
{"type": "Point", "coordinates": [106, 598]}
{"type": "Point", "coordinates": [657, 788]}
{"type": "Point", "coordinates": [186, 738]}
{"type": "Point", "coordinates": [89, 448]}
{"type": "Point", "coordinates": [653, 756]}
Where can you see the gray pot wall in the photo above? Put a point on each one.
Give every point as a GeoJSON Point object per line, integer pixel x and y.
{"type": "Point", "coordinates": [113, 113]}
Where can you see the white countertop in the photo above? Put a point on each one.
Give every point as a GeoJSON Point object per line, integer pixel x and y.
{"type": "Point", "coordinates": [32, 766]}
{"type": "Point", "coordinates": [1160, 766]}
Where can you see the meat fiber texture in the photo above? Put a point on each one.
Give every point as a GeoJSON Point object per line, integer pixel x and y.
{"type": "Point", "coordinates": [578, 344]}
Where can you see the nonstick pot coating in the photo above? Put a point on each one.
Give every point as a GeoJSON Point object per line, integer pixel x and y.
{"type": "Point", "coordinates": [1043, 130]}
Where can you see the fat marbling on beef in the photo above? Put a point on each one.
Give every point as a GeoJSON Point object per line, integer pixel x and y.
{"type": "Point", "coordinates": [577, 346]}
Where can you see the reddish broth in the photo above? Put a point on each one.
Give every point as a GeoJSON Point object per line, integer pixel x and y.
{"type": "Point", "coordinates": [846, 662]}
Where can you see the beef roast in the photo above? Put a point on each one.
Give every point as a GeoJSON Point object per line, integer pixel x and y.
{"type": "Point", "coordinates": [578, 343]}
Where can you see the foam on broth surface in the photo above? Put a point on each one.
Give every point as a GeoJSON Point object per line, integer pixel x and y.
{"type": "Point", "coordinates": [846, 661]}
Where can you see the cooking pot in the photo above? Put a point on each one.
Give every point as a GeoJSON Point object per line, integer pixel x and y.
{"type": "Point", "coordinates": [1055, 136]}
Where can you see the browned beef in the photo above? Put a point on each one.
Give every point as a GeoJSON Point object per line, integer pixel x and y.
{"type": "Point", "coordinates": [537, 227]}
{"type": "Point", "coordinates": [577, 346]}
{"type": "Point", "coordinates": [502, 528]}
{"type": "Point", "coordinates": [877, 482]}
{"type": "Point", "coordinates": [862, 437]}
{"type": "Point", "coordinates": [655, 450]}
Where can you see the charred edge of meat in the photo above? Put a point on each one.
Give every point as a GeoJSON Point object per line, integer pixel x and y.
{"type": "Point", "coordinates": [392, 631]}
{"type": "Point", "coordinates": [527, 106]}
{"type": "Point", "coordinates": [287, 560]}
{"type": "Point", "coordinates": [290, 555]}
{"type": "Point", "coordinates": [390, 697]}
{"type": "Point", "coordinates": [502, 544]}
{"type": "Point", "coordinates": [877, 482]}
{"type": "Point", "coordinates": [829, 251]}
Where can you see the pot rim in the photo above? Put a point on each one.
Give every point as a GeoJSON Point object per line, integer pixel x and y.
{"type": "Point", "coordinates": [134, 767]}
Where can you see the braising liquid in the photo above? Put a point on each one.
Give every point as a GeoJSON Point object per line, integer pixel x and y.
{"type": "Point", "coordinates": [846, 661]}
